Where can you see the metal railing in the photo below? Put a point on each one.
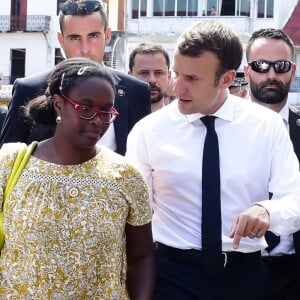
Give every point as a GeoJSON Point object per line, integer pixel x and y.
{"type": "Point", "coordinates": [30, 23]}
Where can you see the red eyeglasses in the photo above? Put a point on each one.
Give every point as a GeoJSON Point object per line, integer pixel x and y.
{"type": "Point", "coordinates": [88, 113]}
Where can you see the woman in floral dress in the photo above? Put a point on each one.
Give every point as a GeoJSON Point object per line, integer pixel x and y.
{"type": "Point", "coordinates": [77, 223]}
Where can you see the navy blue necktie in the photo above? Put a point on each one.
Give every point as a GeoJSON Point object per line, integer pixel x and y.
{"type": "Point", "coordinates": [211, 200]}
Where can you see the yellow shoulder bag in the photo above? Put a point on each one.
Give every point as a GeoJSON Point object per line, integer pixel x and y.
{"type": "Point", "coordinates": [19, 164]}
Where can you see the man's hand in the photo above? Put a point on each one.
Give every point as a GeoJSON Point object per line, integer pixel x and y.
{"type": "Point", "coordinates": [252, 222]}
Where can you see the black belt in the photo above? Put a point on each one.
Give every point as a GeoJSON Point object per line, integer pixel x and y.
{"type": "Point", "coordinates": [195, 256]}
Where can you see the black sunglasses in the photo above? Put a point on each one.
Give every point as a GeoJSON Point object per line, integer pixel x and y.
{"type": "Point", "coordinates": [81, 7]}
{"type": "Point", "coordinates": [263, 66]}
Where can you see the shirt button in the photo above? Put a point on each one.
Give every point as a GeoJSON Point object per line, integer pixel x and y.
{"type": "Point", "coordinates": [73, 192]}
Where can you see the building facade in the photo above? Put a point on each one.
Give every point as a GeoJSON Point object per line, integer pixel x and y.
{"type": "Point", "coordinates": [28, 28]}
{"type": "Point", "coordinates": [28, 35]}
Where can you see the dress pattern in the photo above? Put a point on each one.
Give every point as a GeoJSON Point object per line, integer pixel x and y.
{"type": "Point", "coordinates": [65, 227]}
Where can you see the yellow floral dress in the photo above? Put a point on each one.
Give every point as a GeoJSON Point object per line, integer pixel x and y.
{"type": "Point", "coordinates": [65, 227]}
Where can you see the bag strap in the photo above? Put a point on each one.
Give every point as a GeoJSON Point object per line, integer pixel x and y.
{"type": "Point", "coordinates": [21, 160]}
{"type": "Point", "coordinates": [19, 164]}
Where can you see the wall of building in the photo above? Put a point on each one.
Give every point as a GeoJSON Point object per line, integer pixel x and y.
{"type": "Point", "coordinates": [40, 47]}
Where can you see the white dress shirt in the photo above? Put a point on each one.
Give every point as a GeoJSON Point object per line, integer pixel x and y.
{"type": "Point", "coordinates": [109, 138]}
{"type": "Point", "coordinates": [284, 113]}
{"type": "Point", "coordinates": [256, 157]}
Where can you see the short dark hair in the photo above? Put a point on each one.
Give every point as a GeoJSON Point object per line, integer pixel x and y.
{"type": "Point", "coordinates": [80, 10]}
{"type": "Point", "coordinates": [65, 76]}
{"type": "Point", "coordinates": [270, 33]}
{"type": "Point", "coordinates": [215, 37]}
{"type": "Point", "coordinates": [148, 48]}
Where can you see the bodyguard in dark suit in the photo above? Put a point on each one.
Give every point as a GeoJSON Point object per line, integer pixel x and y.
{"type": "Point", "coordinates": [84, 32]}
{"type": "Point", "coordinates": [270, 71]}
{"type": "Point", "coordinates": [294, 124]}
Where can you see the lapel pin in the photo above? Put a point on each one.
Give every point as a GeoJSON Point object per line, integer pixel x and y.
{"type": "Point", "coordinates": [121, 92]}
{"type": "Point", "coordinates": [298, 122]}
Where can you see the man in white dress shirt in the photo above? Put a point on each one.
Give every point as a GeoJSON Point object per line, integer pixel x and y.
{"type": "Point", "coordinates": [255, 158]}
{"type": "Point", "coordinates": [270, 74]}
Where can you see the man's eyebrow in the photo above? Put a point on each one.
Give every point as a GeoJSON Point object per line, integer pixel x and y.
{"type": "Point", "coordinates": [77, 34]}
{"type": "Point", "coordinates": [72, 35]}
{"type": "Point", "coordinates": [94, 32]}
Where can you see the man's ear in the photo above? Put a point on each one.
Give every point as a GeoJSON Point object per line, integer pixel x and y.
{"type": "Point", "coordinates": [227, 78]}
{"type": "Point", "coordinates": [60, 38]}
{"type": "Point", "coordinates": [294, 68]}
{"type": "Point", "coordinates": [246, 72]}
{"type": "Point", "coordinates": [107, 36]}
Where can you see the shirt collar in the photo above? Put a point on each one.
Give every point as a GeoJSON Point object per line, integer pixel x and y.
{"type": "Point", "coordinates": [225, 112]}
{"type": "Point", "coordinates": [284, 113]}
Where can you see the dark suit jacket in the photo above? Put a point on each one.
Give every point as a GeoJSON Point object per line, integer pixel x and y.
{"type": "Point", "coordinates": [294, 128]}
{"type": "Point", "coordinates": [132, 102]}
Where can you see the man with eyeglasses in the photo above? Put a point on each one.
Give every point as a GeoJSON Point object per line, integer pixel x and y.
{"type": "Point", "coordinates": [270, 71]}
{"type": "Point", "coordinates": [84, 33]}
